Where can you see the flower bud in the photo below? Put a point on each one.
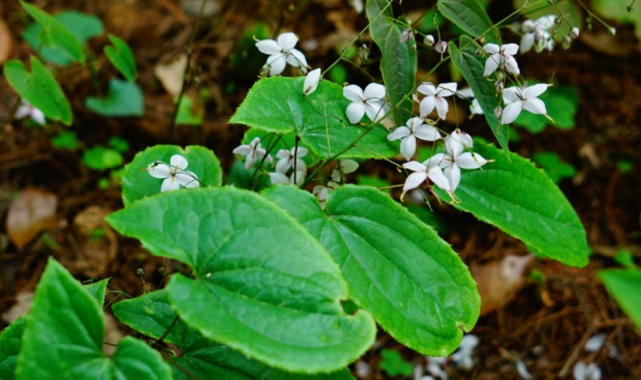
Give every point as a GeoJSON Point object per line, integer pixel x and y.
{"type": "Point", "coordinates": [498, 112]}
{"type": "Point", "coordinates": [429, 40]}
{"type": "Point", "coordinates": [499, 85]}
{"type": "Point", "coordinates": [612, 31]}
{"type": "Point", "coordinates": [567, 42]}
{"type": "Point", "coordinates": [441, 47]}
{"type": "Point", "coordinates": [575, 32]}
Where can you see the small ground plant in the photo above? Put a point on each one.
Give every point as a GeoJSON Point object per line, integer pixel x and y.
{"type": "Point", "coordinates": [289, 275]}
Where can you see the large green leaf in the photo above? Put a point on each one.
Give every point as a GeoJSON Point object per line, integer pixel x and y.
{"type": "Point", "coordinates": [137, 183]}
{"type": "Point", "coordinates": [278, 105]}
{"type": "Point", "coordinates": [39, 88]}
{"type": "Point", "coordinates": [397, 268]}
{"type": "Point", "coordinates": [63, 337]}
{"type": "Point", "coordinates": [398, 62]}
{"type": "Point", "coordinates": [470, 16]}
{"type": "Point", "coordinates": [152, 315]}
{"type": "Point", "coordinates": [472, 66]}
{"type": "Point", "coordinates": [123, 99]}
{"type": "Point", "coordinates": [81, 25]}
{"type": "Point", "coordinates": [56, 35]}
{"type": "Point", "coordinates": [625, 286]}
{"type": "Point", "coordinates": [254, 268]}
{"type": "Point", "coordinates": [517, 197]}
{"type": "Point", "coordinates": [121, 56]}
{"type": "Point", "coordinates": [10, 344]}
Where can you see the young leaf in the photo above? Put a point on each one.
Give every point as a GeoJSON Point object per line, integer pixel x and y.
{"type": "Point", "coordinates": [10, 344]}
{"type": "Point", "coordinates": [470, 16]}
{"type": "Point", "coordinates": [63, 337]}
{"type": "Point", "coordinates": [625, 286]}
{"type": "Point", "coordinates": [398, 62]}
{"type": "Point", "coordinates": [152, 315]}
{"type": "Point", "coordinates": [397, 268]}
{"type": "Point", "coordinates": [123, 99]}
{"type": "Point", "coordinates": [121, 56]}
{"type": "Point", "coordinates": [98, 290]}
{"type": "Point", "coordinates": [39, 88]}
{"type": "Point", "coordinates": [81, 25]}
{"type": "Point", "coordinates": [137, 183]}
{"type": "Point", "coordinates": [66, 140]}
{"type": "Point", "coordinates": [515, 196]}
{"type": "Point", "coordinates": [277, 104]}
{"type": "Point", "coordinates": [55, 34]}
{"type": "Point", "coordinates": [101, 158]}
{"type": "Point", "coordinates": [472, 67]}
{"type": "Point", "coordinates": [254, 268]}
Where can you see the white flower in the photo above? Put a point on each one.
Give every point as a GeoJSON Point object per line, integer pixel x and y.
{"type": "Point", "coordinates": [282, 52]}
{"type": "Point", "coordinates": [429, 40]}
{"type": "Point", "coordinates": [575, 32]}
{"type": "Point", "coordinates": [441, 47]}
{"type": "Point", "coordinates": [434, 367]}
{"type": "Point", "coordinates": [422, 171]}
{"type": "Point", "coordinates": [501, 56]}
{"type": "Point", "coordinates": [358, 5]}
{"type": "Point", "coordinates": [415, 128]}
{"type": "Point", "coordinates": [26, 109]}
{"type": "Point", "coordinates": [311, 81]}
{"type": "Point", "coordinates": [463, 356]}
{"type": "Point", "coordinates": [455, 158]}
{"type": "Point", "coordinates": [346, 166]}
{"type": "Point", "coordinates": [475, 107]}
{"type": "Point", "coordinates": [370, 102]}
{"type": "Point", "coordinates": [586, 372]}
{"type": "Point", "coordinates": [291, 159]}
{"type": "Point", "coordinates": [517, 99]}
{"type": "Point", "coordinates": [435, 98]}
{"type": "Point", "coordinates": [595, 342]}
{"type": "Point", "coordinates": [522, 370]}
{"type": "Point", "coordinates": [174, 174]}
{"type": "Point", "coordinates": [254, 151]}
{"type": "Point", "coordinates": [536, 33]}
{"type": "Point", "coordinates": [296, 178]}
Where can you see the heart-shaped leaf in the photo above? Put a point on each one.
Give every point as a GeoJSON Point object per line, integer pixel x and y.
{"type": "Point", "coordinates": [152, 315]}
{"type": "Point", "coordinates": [123, 99]}
{"type": "Point", "coordinates": [254, 268]}
{"type": "Point", "coordinates": [121, 56]}
{"type": "Point", "coordinates": [277, 104]}
{"type": "Point", "coordinates": [397, 268]}
{"type": "Point", "coordinates": [137, 183]}
{"type": "Point", "coordinates": [63, 337]}
{"type": "Point", "coordinates": [517, 197]}
{"type": "Point", "coordinates": [39, 88]}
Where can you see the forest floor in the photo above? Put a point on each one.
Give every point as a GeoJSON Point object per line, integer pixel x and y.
{"type": "Point", "coordinates": [541, 314]}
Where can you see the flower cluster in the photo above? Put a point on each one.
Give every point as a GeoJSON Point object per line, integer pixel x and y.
{"type": "Point", "coordinates": [321, 192]}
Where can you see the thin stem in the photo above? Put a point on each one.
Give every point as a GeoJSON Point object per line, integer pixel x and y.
{"type": "Point", "coordinates": [164, 335]}
{"type": "Point", "coordinates": [182, 369]}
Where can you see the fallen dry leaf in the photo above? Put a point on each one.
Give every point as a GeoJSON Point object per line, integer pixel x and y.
{"type": "Point", "coordinates": [498, 281]}
{"type": "Point", "coordinates": [5, 42]}
{"type": "Point", "coordinates": [33, 211]}
{"type": "Point", "coordinates": [171, 74]}
{"type": "Point", "coordinates": [20, 308]}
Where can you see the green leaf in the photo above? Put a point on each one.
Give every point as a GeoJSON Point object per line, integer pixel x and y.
{"type": "Point", "coordinates": [66, 140]}
{"type": "Point", "coordinates": [187, 115]}
{"type": "Point", "coordinates": [101, 158]}
{"type": "Point", "coordinates": [10, 344]}
{"type": "Point", "coordinates": [625, 287]}
{"type": "Point", "coordinates": [561, 103]}
{"type": "Point", "coordinates": [254, 268]}
{"type": "Point", "coordinates": [471, 17]}
{"type": "Point", "coordinates": [277, 104]}
{"type": "Point", "coordinates": [39, 88]}
{"type": "Point", "coordinates": [123, 99]}
{"type": "Point", "coordinates": [393, 363]}
{"type": "Point", "coordinates": [472, 67]}
{"type": "Point", "coordinates": [398, 62]}
{"type": "Point", "coordinates": [625, 258]}
{"type": "Point", "coordinates": [98, 290]}
{"type": "Point", "coordinates": [515, 196]}
{"type": "Point", "coordinates": [553, 166]}
{"type": "Point", "coordinates": [63, 337]}
{"type": "Point", "coordinates": [121, 56]}
{"type": "Point", "coordinates": [137, 183]}
{"type": "Point", "coordinates": [152, 315]}
{"type": "Point", "coordinates": [121, 145]}
{"type": "Point", "coordinates": [397, 268]}
{"type": "Point", "coordinates": [54, 34]}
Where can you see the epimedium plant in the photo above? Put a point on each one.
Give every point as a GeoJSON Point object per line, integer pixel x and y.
{"type": "Point", "coordinates": [281, 283]}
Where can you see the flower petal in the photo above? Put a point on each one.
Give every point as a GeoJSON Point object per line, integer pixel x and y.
{"type": "Point", "coordinates": [278, 179]}
{"type": "Point", "coordinates": [300, 152]}
{"type": "Point", "coordinates": [188, 180]}
{"type": "Point", "coordinates": [38, 116]}
{"type": "Point", "coordinates": [414, 180]}
{"type": "Point", "coordinates": [441, 107]}
{"type": "Point", "coordinates": [427, 105]}
{"type": "Point", "coordinates": [311, 81]}
{"type": "Point", "coordinates": [512, 94]}
{"type": "Point", "coordinates": [399, 133]}
{"type": "Point", "coordinates": [355, 112]}
{"type": "Point", "coordinates": [169, 184]}
{"type": "Point", "coordinates": [374, 91]}
{"type": "Point", "coordinates": [250, 160]}
{"type": "Point", "coordinates": [408, 147]}
{"type": "Point", "coordinates": [242, 150]}
{"type": "Point", "coordinates": [436, 175]}
{"type": "Point", "coordinates": [276, 63]}
{"type": "Point", "coordinates": [491, 64]}
{"type": "Point", "coordinates": [297, 177]}
{"type": "Point", "coordinates": [348, 166]}
{"type": "Point", "coordinates": [510, 49]}
{"type": "Point", "coordinates": [453, 174]}
{"type": "Point", "coordinates": [178, 161]}
{"type": "Point", "coordinates": [439, 159]}
{"type": "Point", "coordinates": [160, 171]}
{"type": "Point", "coordinates": [534, 91]}
{"type": "Point", "coordinates": [512, 66]}
{"type": "Point", "coordinates": [536, 106]}
{"type": "Point", "coordinates": [353, 93]}
{"type": "Point", "coordinates": [527, 41]}
{"type": "Point", "coordinates": [447, 89]}
{"type": "Point", "coordinates": [297, 59]}
{"type": "Point", "coordinates": [374, 111]}
{"type": "Point", "coordinates": [427, 89]}
{"type": "Point", "coordinates": [269, 47]}
{"type": "Point", "coordinates": [511, 112]}
{"type": "Point", "coordinates": [491, 49]}
{"type": "Point", "coordinates": [415, 166]}
{"type": "Point", "coordinates": [454, 146]}
{"type": "Point", "coordinates": [427, 133]}
{"type": "Point", "coordinates": [470, 161]}
{"type": "Point", "coordinates": [283, 165]}
{"type": "Point", "coordinates": [287, 41]}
